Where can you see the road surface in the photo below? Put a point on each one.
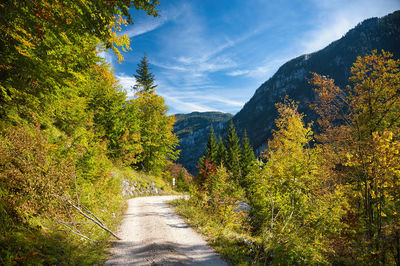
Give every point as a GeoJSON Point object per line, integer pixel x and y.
{"type": "Point", "coordinates": [152, 234]}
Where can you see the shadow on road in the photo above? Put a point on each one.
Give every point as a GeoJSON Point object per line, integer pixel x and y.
{"type": "Point", "coordinates": [161, 254]}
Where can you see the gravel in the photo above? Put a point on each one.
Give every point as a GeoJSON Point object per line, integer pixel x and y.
{"type": "Point", "coordinates": [152, 234]}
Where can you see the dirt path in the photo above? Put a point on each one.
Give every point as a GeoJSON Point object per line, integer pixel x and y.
{"type": "Point", "coordinates": [154, 235]}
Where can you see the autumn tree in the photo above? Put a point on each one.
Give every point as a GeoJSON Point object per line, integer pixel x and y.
{"type": "Point", "coordinates": [291, 210]}
{"type": "Point", "coordinates": [46, 45]}
{"type": "Point", "coordinates": [360, 130]}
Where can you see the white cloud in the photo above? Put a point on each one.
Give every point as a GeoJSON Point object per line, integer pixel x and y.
{"type": "Point", "coordinates": [182, 106]}
{"type": "Point", "coordinates": [107, 56]}
{"type": "Point", "coordinates": [127, 82]}
{"type": "Point", "coordinates": [147, 23]}
{"type": "Point", "coordinates": [145, 26]}
{"type": "Point", "coordinates": [184, 101]}
{"type": "Point", "coordinates": [195, 52]}
{"type": "Point", "coordinates": [237, 73]}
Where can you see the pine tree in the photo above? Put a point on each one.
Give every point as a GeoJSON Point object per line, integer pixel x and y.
{"type": "Point", "coordinates": [211, 148]}
{"type": "Point", "coordinates": [247, 157]}
{"type": "Point", "coordinates": [220, 151]}
{"type": "Point", "coordinates": [144, 78]}
{"type": "Point", "coordinates": [232, 154]}
{"type": "Point", "coordinates": [210, 153]}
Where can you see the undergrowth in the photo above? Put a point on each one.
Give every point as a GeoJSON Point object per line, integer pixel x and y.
{"type": "Point", "coordinates": [39, 240]}
{"type": "Point", "coordinates": [229, 236]}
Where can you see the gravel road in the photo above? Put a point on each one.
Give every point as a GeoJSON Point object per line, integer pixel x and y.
{"type": "Point", "coordinates": [152, 234]}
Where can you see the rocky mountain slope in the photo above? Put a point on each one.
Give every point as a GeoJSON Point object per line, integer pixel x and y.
{"type": "Point", "coordinates": [192, 130]}
{"type": "Point", "coordinates": [258, 114]}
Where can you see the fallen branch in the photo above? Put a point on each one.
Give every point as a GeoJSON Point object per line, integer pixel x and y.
{"type": "Point", "coordinates": [89, 216]}
{"type": "Point", "coordinates": [72, 230]}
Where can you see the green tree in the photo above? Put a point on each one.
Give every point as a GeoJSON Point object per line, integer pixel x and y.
{"type": "Point", "coordinates": [220, 151]}
{"type": "Point", "coordinates": [144, 78]}
{"type": "Point", "coordinates": [247, 158]}
{"type": "Point", "coordinates": [232, 153]}
{"type": "Point", "coordinates": [211, 149]}
{"type": "Point", "coordinates": [156, 133]}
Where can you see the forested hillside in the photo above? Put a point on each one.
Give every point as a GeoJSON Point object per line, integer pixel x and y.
{"type": "Point", "coordinates": [192, 130]}
{"type": "Point", "coordinates": [69, 136]}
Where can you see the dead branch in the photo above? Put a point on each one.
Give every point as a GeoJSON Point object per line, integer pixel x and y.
{"type": "Point", "coordinates": [90, 216]}
{"type": "Point", "coordinates": [72, 230]}
{"type": "Point", "coordinates": [290, 217]}
{"type": "Point", "coordinates": [76, 190]}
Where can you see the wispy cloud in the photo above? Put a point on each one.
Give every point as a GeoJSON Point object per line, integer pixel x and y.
{"type": "Point", "coordinates": [208, 57]}
{"type": "Point", "coordinates": [195, 53]}
{"type": "Point", "coordinates": [182, 106]}
{"type": "Point", "coordinates": [148, 24]}
{"type": "Point", "coordinates": [237, 73]}
{"type": "Point", "coordinates": [145, 26]}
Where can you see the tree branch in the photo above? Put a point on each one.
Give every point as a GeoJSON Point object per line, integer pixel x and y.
{"type": "Point", "coordinates": [89, 216]}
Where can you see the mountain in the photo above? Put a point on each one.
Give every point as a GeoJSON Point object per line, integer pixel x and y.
{"type": "Point", "coordinates": [258, 114]}
{"type": "Point", "coordinates": [192, 130]}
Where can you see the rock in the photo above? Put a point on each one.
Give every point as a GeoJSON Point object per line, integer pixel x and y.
{"type": "Point", "coordinates": [242, 206]}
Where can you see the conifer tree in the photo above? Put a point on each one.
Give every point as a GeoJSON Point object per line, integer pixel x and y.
{"type": "Point", "coordinates": [211, 148]}
{"type": "Point", "coordinates": [210, 153]}
{"type": "Point", "coordinates": [144, 78]}
{"type": "Point", "coordinates": [220, 151]}
{"type": "Point", "coordinates": [247, 156]}
{"type": "Point", "coordinates": [232, 154]}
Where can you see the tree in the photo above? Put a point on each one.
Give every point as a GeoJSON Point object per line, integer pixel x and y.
{"type": "Point", "coordinates": [47, 45]}
{"type": "Point", "coordinates": [210, 153]}
{"type": "Point", "coordinates": [220, 151]}
{"type": "Point", "coordinates": [291, 209]}
{"type": "Point", "coordinates": [232, 153]}
{"type": "Point", "coordinates": [144, 78]}
{"type": "Point", "coordinates": [247, 158]}
{"type": "Point", "coordinates": [156, 133]}
{"type": "Point", "coordinates": [211, 148]}
{"type": "Point", "coordinates": [361, 131]}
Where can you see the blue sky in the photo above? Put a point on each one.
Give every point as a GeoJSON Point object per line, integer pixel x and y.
{"type": "Point", "coordinates": [211, 55]}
